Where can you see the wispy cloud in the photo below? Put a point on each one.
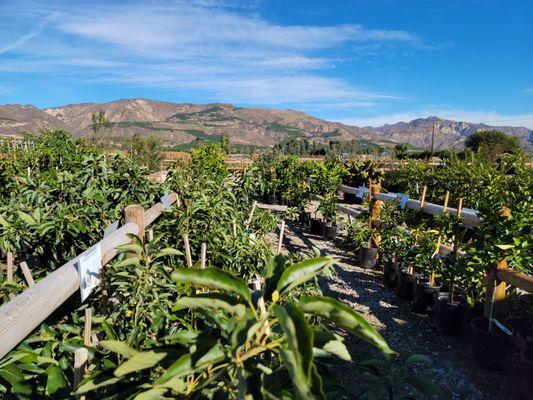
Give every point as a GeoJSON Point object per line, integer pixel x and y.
{"type": "Point", "coordinates": [28, 36]}
{"type": "Point", "coordinates": [205, 45]}
{"type": "Point", "coordinates": [486, 117]}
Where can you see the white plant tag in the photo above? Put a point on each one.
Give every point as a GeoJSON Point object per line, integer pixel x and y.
{"type": "Point", "coordinates": [361, 192]}
{"type": "Point", "coordinates": [165, 200]}
{"type": "Point", "coordinates": [111, 228]}
{"type": "Point", "coordinates": [89, 266]}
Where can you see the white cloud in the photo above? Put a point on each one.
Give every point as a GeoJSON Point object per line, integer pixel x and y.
{"type": "Point", "coordinates": [27, 37]}
{"type": "Point", "coordinates": [486, 117]}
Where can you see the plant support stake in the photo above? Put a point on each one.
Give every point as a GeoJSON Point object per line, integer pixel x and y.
{"type": "Point", "coordinates": [280, 242]}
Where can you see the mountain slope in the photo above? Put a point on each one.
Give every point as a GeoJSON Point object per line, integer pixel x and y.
{"type": "Point", "coordinates": [183, 123]}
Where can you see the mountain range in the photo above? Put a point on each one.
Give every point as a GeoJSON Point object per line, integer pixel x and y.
{"type": "Point", "coordinates": [178, 124]}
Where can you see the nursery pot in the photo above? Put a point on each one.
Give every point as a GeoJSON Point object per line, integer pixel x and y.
{"type": "Point", "coordinates": [490, 349]}
{"type": "Point", "coordinates": [271, 199]}
{"type": "Point", "coordinates": [316, 226]}
{"type": "Point", "coordinates": [351, 198]}
{"type": "Point", "coordinates": [304, 218]}
{"type": "Point", "coordinates": [368, 256]}
{"type": "Point", "coordinates": [405, 284]}
{"type": "Point", "coordinates": [424, 295]}
{"type": "Point", "coordinates": [390, 271]}
{"type": "Point", "coordinates": [449, 318]}
{"type": "Point", "coordinates": [527, 361]}
{"type": "Point", "coordinates": [330, 230]}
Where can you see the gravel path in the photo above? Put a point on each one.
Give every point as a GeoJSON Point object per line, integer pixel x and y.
{"type": "Point", "coordinates": [452, 367]}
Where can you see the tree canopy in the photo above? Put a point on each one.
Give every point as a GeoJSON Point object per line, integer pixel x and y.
{"type": "Point", "coordinates": [493, 143]}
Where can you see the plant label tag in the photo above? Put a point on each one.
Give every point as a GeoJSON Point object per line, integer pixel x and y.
{"type": "Point", "coordinates": [165, 201]}
{"type": "Point", "coordinates": [111, 228]}
{"type": "Point", "coordinates": [402, 198]}
{"type": "Point", "coordinates": [361, 191]}
{"type": "Point", "coordinates": [89, 265]}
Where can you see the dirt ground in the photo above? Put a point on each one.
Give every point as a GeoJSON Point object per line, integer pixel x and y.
{"type": "Point", "coordinates": [452, 364]}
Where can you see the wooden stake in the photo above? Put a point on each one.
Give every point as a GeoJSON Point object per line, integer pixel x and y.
{"type": "Point", "coordinates": [10, 266]}
{"type": "Point", "coordinates": [234, 228]}
{"type": "Point", "coordinates": [87, 330]}
{"type": "Point", "coordinates": [423, 200]}
{"type": "Point", "coordinates": [460, 208]}
{"type": "Point", "coordinates": [27, 273]}
{"type": "Point", "coordinates": [495, 293]}
{"type": "Point", "coordinates": [188, 256]}
{"type": "Point", "coordinates": [249, 220]}
{"type": "Point", "coordinates": [150, 235]}
{"type": "Point", "coordinates": [203, 255]}
{"type": "Point", "coordinates": [81, 356]}
{"type": "Point", "coordinates": [446, 199]}
{"type": "Point", "coordinates": [135, 213]}
{"type": "Point", "coordinates": [280, 242]}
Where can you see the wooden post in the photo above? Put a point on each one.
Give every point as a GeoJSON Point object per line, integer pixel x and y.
{"type": "Point", "coordinates": [9, 266]}
{"type": "Point", "coordinates": [87, 328]}
{"type": "Point", "coordinates": [446, 199]}
{"type": "Point", "coordinates": [27, 273]}
{"type": "Point", "coordinates": [135, 213]}
{"type": "Point", "coordinates": [203, 255]}
{"type": "Point", "coordinates": [495, 293]}
{"type": "Point", "coordinates": [249, 220]}
{"type": "Point", "coordinates": [81, 356]}
{"type": "Point", "coordinates": [150, 235]}
{"type": "Point", "coordinates": [280, 242]}
{"type": "Point", "coordinates": [460, 208]}
{"type": "Point", "coordinates": [423, 199]}
{"type": "Point", "coordinates": [188, 256]}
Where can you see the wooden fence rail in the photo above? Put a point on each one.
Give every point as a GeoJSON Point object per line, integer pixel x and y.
{"type": "Point", "coordinates": [20, 316]}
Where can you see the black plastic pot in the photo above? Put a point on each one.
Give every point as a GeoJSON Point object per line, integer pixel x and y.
{"type": "Point", "coordinates": [330, 231]}
{"type": "Point", "coordinates": [368, 256]}
{"type": "Point", "coordinates": [304, 218]}
{"type": "Point", "coordinates": [390, 271]}
{"type": "Point", "coordinates": [490, 349]}
{"type": "Point", "coordinates": [527, 360]}
{"type": "Point", "coordinates": [405, 284]}
{"type": "Point", "coordinates": [351, 198]}
{"type": "Point", "coordinates": [271, 199]}
{"type": "Point", "coordinates": [449, 318]}
{"type": "Point", "coordinates": [523, 331]}
{"type": "Point", "coordinates": [424, 296]}
{"type": "Point", "coordinates": [316, 226]}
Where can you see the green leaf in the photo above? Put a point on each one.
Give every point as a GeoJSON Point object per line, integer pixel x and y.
{"type": "Point", "coordinates": [213, 278]}
{"type": "Point", "coordinates": [212, 300]}
{"type": "Point", "coordinates": [416, 358]}
{"type": "Point", "coordinates": [96, 383]}
{"type": "Point", "coordinates": [27, 218]}
{"type": "Point", "coordinates": [139, 362]}
{"type": "Point", "coordinates": [4, 222]}
{"type": "Point", "coordinates": [128, 262]}
{"type": "Point", "coordinates": [130, 248]}
{"type": "Point", "coordinates": [119, 347]}
{"type": "Point", "coordinates": [152, 394]}
{"type": "Point", "coordinates": [301, 272]}
{"type": "Point", "coordinates": [339, 349]}
{"type": "Point", "coordinates": [186, 364]}
{"type": "Point", "coordinates": [424, 384]}
{"type": "Point", "coordinates": [505, 246]}
{"type": "Point", "coordinates": [166, 252]}
{"type": "Point", "coordinates": [299, 356]}
{"type": "Point", "coordinates": [344, 317]}
{"type": "Point", "coordinates": [56, 383]}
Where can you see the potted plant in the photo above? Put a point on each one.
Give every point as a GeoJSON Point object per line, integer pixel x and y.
{"type": "Point", "coordinates": [393, 247]}
{"type": "Point", "coordinates": [330, 213]}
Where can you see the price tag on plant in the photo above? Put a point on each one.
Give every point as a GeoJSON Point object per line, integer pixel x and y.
{"type": "Point", "coordinates": [165, 200]}
{"type": "Point", "coordinates": [89, 265]}
{"type": "Point", "coordinates": [402, 198]}
{"type": "Point", "coordinates": [111, 228]}
{"type": "Point", "coordinates": [361, 191]}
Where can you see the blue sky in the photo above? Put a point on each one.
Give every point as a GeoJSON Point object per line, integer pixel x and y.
{"type": "Point", "coordinates": [363, 62]}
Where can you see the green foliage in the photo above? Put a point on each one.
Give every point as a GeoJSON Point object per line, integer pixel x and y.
{"type": "Point", "coordinates": [493, 143]}
{"type": "Point", "coordinates": [146, 151]}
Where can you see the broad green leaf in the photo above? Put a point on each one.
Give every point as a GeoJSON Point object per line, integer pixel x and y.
{"type": "Point", "coordinates": [4, 222]}
{"type": "Point", "coordinates": [299, 356]}
{"type": "Point", "coordinates": [139, 362]}
{"type": "Point", "coordinates": [213, 278]}
{"type": "Point", "coordinates": [96, 383]}
{"type": "Point", "coordinates": [301, 272]}
{"type": "Point", "coordinates": [152, 394]}
{"type": "Point", "coordinates": [166, 252]}
{"type": "Point", "coordinates": [128, 262]}
{"type": "Point", "coordinates": [424, 384]}
{"type": "Point", "coordinates": [27, 218]}
{"type": "Point", "coordinates": [130, 248]}
{"type": "Point", "coordinates": [56, 383]}
{"type": "Point", "coordinates": [119, 347]}
{"type": "Point", "coordinates": [212, 300]}
{"type": "Point", "coordinates": [186, 364]}
{"type": "Point", "coordinates": [344, 317]}
{"type": "Point", "coordinates": [417, 358]}
{"type": "Point", "coordinates": [337, 348]}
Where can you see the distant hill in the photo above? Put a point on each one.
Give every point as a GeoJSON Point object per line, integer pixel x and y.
{"type": "Point", "coordinates": [184, 123]}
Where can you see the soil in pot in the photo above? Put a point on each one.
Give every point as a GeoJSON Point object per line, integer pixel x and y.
{"type": "Point", "coordinates": [330, 230]}
{"type": "Point", "coordinates": [490, 349]}
{"type": "Point", "coordinates": [368, 256]}
{"type": "Point", "coordinates": [449, 318]}
{"type": "Point", "coordinates": [390, 272]}
{"type": "Point", "coordinates": [424, 295]}
{"type": "Point", "coordinates": [316, 226]}
{"type": "Point", "coordinates": [271, 199]}
{"type": "Point", "coordinates": [527, 360]}
{"type": "Point", "coordinates": [405, 284]}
